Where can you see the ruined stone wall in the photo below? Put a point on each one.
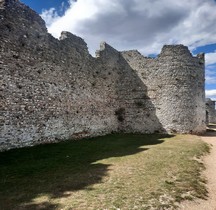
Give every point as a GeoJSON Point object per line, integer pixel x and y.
{"type": "Point", "coordinates": [54, 90]}
{"type": "Point", "coordinates": [136, 112]}
{"type": "Point", "coordinates": [165, 94]}
{"type": "Point", "coordinates": [175, 87]}
{"type": "Point", "coordinates": [210, 111]}
{"type": "Point", "coordinates": [51, 89]}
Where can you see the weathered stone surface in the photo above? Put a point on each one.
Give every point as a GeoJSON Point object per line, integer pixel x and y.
{"type": "Point", "coordinates": [175, 86]}
{"type": "Point", "coordinates": [210, 111]}
{"type": "Point", "coordinates": [53, 89]}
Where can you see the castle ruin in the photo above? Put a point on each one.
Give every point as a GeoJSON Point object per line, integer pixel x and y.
{"type": "Point", "coordinates": [53, 90]}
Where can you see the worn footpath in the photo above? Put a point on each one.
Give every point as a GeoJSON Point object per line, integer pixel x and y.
{"type": "Point", "coordinates": [210, 174]}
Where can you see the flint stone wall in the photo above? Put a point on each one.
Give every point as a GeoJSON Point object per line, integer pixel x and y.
{"type": "Point", "coordinates": [54, 89]}
{"type": "Point", "coordinates": [210, 111]}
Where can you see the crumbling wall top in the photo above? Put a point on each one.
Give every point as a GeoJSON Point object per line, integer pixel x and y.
{"type": "Point", "coordinates": [106, 51]}
{"type": "Point", "coordinates": [201, 57]}
{"type": "Point", "coordinates": [209, 100]}
{"type": "Point", "coordinates": [178, 50]}
{"type": "Point", "coordinates": [73, 40]}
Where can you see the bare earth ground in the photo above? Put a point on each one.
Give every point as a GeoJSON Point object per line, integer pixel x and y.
{"type": "Point", "coordinates": [210, 174]}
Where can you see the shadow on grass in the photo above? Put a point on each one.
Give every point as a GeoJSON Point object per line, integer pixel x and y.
{"type": "Point", "coordinates": [55, 169]}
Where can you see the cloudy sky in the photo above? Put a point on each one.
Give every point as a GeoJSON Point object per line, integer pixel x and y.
{"type": "Point", "coordinates": [145, 25]}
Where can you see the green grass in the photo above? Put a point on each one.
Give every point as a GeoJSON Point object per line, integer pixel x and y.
{"type": "Point", "coordinates": [126, 171]}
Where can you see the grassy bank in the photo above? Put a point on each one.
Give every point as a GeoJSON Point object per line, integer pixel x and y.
{"type": "Point", "coordinates": [123, 171]}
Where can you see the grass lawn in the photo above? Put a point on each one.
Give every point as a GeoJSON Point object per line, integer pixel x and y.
{"type": "Point", "coordinates": [125, 171]}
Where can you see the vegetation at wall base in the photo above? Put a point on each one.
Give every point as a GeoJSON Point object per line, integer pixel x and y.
{"type": "Point", "coordinates": [125, 171]}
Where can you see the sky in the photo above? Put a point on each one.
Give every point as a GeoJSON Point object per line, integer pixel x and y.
{"type": "Point", "coordinates": [145, 25]}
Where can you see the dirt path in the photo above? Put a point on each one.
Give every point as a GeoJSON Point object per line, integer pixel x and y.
{"type": "Point", "coordinates": [210, 174]}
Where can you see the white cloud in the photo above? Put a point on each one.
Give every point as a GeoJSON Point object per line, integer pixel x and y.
{"type": "Point", "coordinates": [137, 24]}
{"type": "Point", "coordinates": [50, 16]}
{"type": "Point", "coordinates": [211, 94]}
{"type": "Point", "coordinates": [210, 75]}
{"type": "Point", "coordinates": [210, 79]}
{"type": "Point", "coordinates": [210, 71]}
{"type": "Point", "coordinates": [210, 58]}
